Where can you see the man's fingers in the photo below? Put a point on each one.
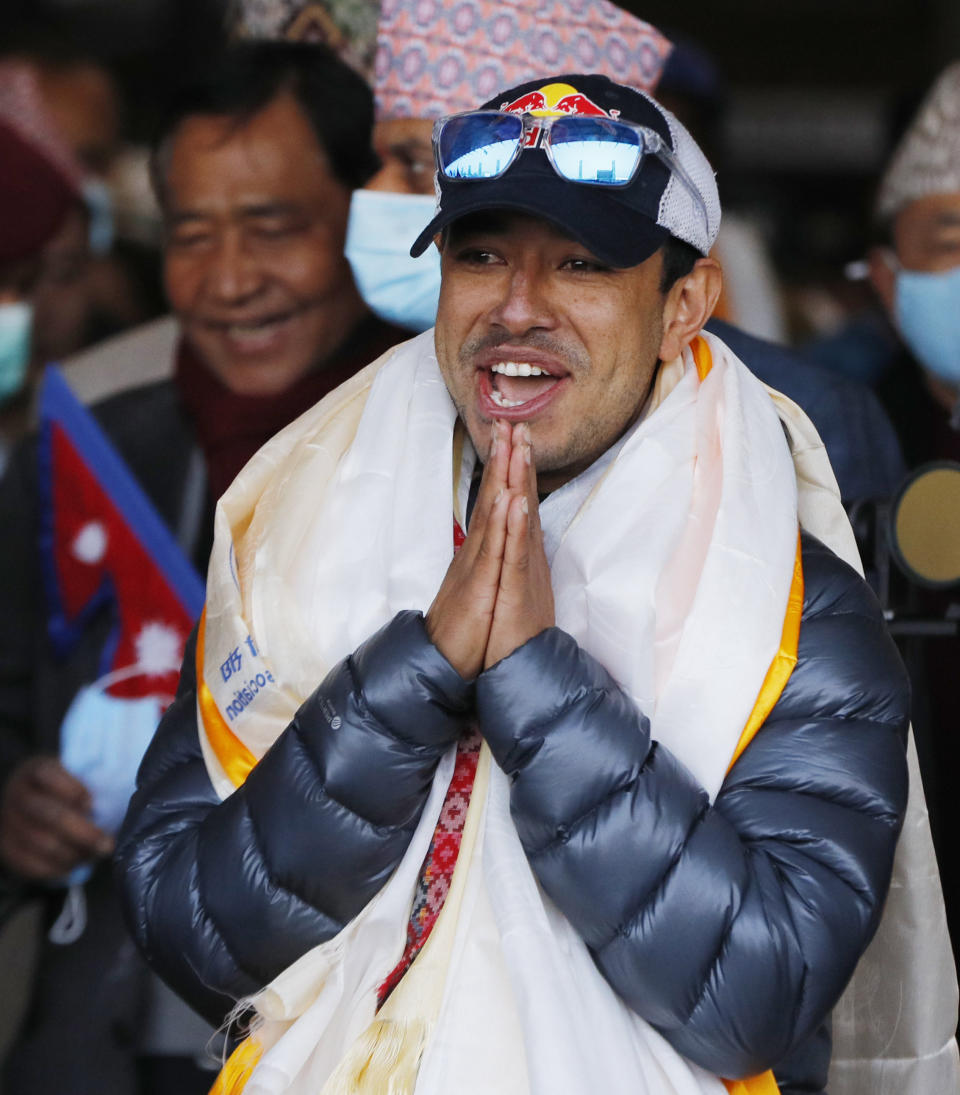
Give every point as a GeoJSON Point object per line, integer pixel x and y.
{"type": "Point", "coordinates": [24, 860]}
{"type": "Point", "coordinates": [37, 852]}
{"type": "Point", "coordinates": [523, 476]}
{"type": "Point", "coordinates": [524, 599]}
{"type": "Point", "coordinates": [520, 459]}
{"type": "Point", "coordinates": [51, 856]}
{"type": "Point", "coordinates": [64, 823]}
{"type": "Point", "coordinates": [458, 622]}
{"type": "Point", "coordinates": [48, 774]}
{"type": "Point", "coordinates": [494, 477]}
{"type": "Point", "coordinates": [516, 548]}
{"type": "Point", "coordinates": [42, 797]}
{"type": "Point", "coordinates": [490, 550]}
{"type": "Point", "coordinates": [73, 827]}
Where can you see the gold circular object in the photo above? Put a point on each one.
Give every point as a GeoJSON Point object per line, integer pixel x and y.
{"type": "Point", "coordinates": [925, 525]}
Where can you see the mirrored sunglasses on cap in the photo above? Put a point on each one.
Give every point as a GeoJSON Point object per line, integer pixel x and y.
{"type": "Point", "coordinates": [483, 144]}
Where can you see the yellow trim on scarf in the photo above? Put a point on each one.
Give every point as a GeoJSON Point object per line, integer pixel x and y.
{"type": "Point", "coordinates": [234, 757]}
{"type": "Point", "coordinates": [755, 1085]}
{"type": "Point", "coordinates": [783, 661]}
{"type": "Point", "coordinates": [702, 357]}
{"type": "Point", "coordinates": [232, 1078]}
{"type": "Point", "coordinates": [773, 685]}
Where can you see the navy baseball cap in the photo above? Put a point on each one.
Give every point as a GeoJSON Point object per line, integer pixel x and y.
{"type": "Point", "coordinates": [672, 193]}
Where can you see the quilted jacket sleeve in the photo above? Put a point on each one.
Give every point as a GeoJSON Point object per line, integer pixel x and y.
{"type": "Point", "coordinates": [731, 928]}
{"type": "Point", "coordinates": [222, 896]}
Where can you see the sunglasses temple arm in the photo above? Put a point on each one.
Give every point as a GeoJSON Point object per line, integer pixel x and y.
{"type": "Point", "coordinates": [666, 154]}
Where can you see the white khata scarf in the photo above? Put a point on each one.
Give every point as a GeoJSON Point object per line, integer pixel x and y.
{"type": "Point", "coordinates": [676, 565]}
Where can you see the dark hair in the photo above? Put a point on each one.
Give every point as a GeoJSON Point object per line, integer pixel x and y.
{"type": "Point", "coordinates": [679, 258]}
{"type": "Point", "coordinates": [247, 76]}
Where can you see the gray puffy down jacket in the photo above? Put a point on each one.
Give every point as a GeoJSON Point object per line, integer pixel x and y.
{"type": "Point", "coordinates": [731, 928]}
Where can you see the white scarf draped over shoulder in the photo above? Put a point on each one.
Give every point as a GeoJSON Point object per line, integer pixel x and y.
{"type": "Point", "coordinates": [676, 564]}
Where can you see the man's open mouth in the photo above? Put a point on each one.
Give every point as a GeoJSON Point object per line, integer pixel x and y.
{"type": "Point", "coordinates": [514, 383]}
{"type": "Point", "coordinates": [516, 389]}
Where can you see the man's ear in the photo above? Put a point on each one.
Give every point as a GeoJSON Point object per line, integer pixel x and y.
{"type": "Point", "coordinates": [689, 304]}
{"type": "Point", "coordinates": [881, 270]}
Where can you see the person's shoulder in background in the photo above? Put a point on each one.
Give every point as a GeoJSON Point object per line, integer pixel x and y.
{"type": "Point", "coordinates": [859, 438]}
{"type": "Point", "coordinates": [128, 360]}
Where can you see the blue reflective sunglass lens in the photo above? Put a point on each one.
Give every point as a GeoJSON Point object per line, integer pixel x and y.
{"type": "Point", "coordinates": [478, 146]}
{"type": "Point", "coordinates": [594, 150]}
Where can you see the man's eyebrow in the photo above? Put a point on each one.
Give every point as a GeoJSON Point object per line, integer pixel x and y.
{"type": "Point", "coordinates": [271, 209]}
{"type": "Point", "coordinates": [246, 212]}
{"type": "Point", "coordinates": [186, 216]}
{"type": "Point", "coordinates": [948, 218]}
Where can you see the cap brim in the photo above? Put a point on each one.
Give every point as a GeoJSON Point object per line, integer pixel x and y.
{"type": "Point", "coordinates": [616, 234]}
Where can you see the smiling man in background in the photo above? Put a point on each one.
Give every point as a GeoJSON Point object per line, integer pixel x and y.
{"type": "Point", "coordinates": [528, 743]}
{"type": "Point", "coordinates": [254, 170]}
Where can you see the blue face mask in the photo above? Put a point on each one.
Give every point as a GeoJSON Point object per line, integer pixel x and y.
{"type": "Point", "coordinates": [15, 320]}
{"type": "Point", "coordinates": [927, 308]}
{"type": "Point", "coordinates": [102, 741]}
{"type": "Point", "coordinates": [381, 228]}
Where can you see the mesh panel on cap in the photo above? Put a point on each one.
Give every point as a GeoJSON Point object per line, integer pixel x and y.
{"type": "Point", "coordinates": [679, 212]}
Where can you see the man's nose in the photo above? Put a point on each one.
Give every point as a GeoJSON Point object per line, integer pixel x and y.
{"type": "Point", "coordinates": [233, 274]}
{"type": "Point", "coordinates": [525, 303]}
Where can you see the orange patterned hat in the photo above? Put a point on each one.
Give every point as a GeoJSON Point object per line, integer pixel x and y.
{"type": "Point", "coordinates": [436, 57]}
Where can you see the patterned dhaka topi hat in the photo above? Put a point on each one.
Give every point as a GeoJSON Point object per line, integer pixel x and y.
{"type": "Point", "coordinates": [437, 57]}
{"type": "Point", "coordinates": [621, 225]}
{"type": "Point", "coordinates": [348, 27]}
{"type": "Point", "coordinates": [927, 159]}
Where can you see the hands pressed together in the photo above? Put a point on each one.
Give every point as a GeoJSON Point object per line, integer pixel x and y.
{"type": "Point", "coordinates": [496, 593]}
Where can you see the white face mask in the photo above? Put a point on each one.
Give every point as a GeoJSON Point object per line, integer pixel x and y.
{"type": "Point", "coordinates": [15, 321]}
{"type": "Point", "coordinates": [381, 228]}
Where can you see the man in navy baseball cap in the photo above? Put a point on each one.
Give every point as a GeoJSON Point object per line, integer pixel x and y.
{"type": "Point", "coordinates": [609, 180]}
{"type": "Point", "coordinates": [579, 766]}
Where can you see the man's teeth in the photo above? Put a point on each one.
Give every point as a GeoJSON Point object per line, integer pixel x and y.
{"type": "Point", "coordinates": [502, 401]}
{"type": "Point", "coordinates": [518, 368]}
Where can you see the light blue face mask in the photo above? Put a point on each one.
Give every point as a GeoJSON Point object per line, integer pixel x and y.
{"type": "Point", "coordinates": [927, 308]}
{"type": "Point", "coordinates": [102, 741]}
{"type": "Point", "coordinates": [98, 199]}
{"type": "Point", "coordinates": [396, 287]}
{"type": "Point", "coordinates": [15, 320]}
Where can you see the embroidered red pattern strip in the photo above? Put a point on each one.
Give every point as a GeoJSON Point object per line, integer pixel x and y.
{"type": "Point", "coordinates": [433, 884]}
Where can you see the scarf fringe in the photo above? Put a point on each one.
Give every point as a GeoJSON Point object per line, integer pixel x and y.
{"type": "Point", "coordinates": [384, 1060]}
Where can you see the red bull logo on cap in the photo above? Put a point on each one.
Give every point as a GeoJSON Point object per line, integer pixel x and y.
{"type": "Point", "coordinates": [553, 101]}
